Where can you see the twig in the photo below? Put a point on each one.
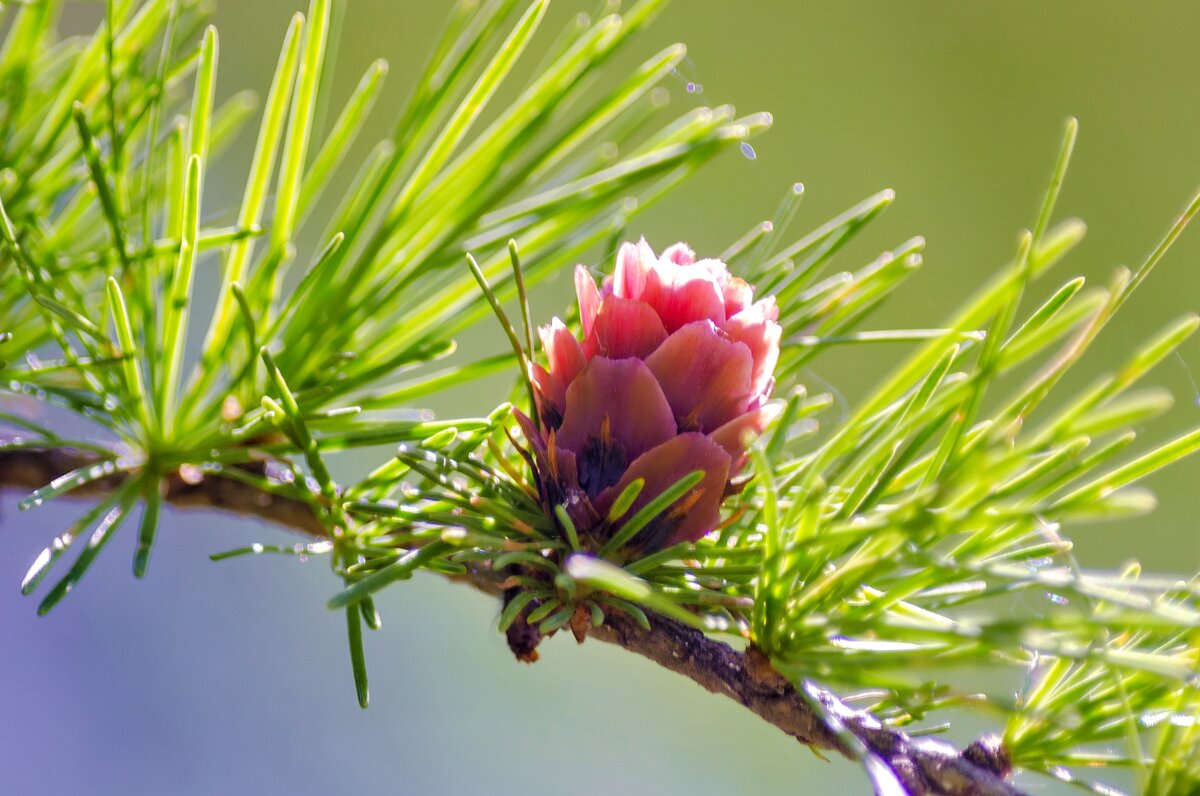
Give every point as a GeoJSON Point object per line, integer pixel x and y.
{"type": "Point", "coordinates": [34, 468]}
{"type": "Point", "coordinates": [923, 766]}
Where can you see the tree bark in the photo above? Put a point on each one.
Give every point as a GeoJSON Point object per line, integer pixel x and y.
{"type": "Point", "coordinates": [815, 717]}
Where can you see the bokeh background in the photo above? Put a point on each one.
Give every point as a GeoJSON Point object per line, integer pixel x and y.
{"type": "Point", "coordinates": [232, 678]}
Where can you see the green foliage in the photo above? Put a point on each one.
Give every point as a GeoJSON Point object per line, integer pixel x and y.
{"type": "Point", "coordinates": [897, 552]}
{"type": "Point", "coordinates": [916, 542]}
{"type": "Point", "coordinates": [542, 169]}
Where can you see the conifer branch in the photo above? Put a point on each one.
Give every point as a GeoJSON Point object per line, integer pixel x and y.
{"type": "Point", "coordinates": [921, 766]}
{"type": "Point", "coordinates": [923, 531]}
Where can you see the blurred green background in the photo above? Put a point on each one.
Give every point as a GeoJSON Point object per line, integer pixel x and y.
{"type": "Point", "coordinates": [232, 678]}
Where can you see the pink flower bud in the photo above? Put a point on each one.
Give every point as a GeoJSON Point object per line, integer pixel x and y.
{"type": "Point", "coordinates": [672, 375]}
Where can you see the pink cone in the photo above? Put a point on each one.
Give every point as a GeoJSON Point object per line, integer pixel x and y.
{"type": "Point", "coordinates": [672, 374]}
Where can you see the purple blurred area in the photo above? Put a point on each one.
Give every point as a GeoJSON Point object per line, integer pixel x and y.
{"type": "Point", "coordinates": [231, 677]}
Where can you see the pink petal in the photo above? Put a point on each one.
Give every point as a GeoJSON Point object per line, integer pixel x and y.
{"type": "Point", "coordinates": [558, 475]}
{"type": "Point", "coordinates": [755, 326]}
{"type": "Point", "coordinates": [559, 468]}
{"type": "Point", "coordinates": [622, 394]}
{"type": "Point", "coordinates": [693, 515]}
{"type": "Point", "coordinates": [634, 263]}
{"type": "Point", "coordinates": [770, 309]}
{"type": "Point", "coordinates": [736, 435]}
{"type": "Point", "coordinates": [576, 501]}
{"type": "Point", "coordinates": [537, 444]}
{"type": "Point", "coordinates": [737, 293]}
{"type": "Point", "coordinates": [683, 294]}
{"type": "Point", "coordinates": [588, 295]}
{"type": "Point", "coordinates": [562, 351]}
{"type": "Point", "coordinates": [760, 400]}
{"type": "Point", "coordinates": [624, 328]}
{"type": "Point", "coordinates": [551, 393]}
{"type": "Point", "coordinates": [680, 254]}
{"type": "Point", "coordinates": [705, 377]}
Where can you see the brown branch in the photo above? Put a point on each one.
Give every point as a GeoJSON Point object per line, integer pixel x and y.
{"type": "Point", "coordinates": [31, 469]}
{"type": "Point", "coordinates": [922, 766]}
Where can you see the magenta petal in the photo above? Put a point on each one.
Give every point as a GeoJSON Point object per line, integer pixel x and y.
{"type": "Point", "coordinates": [563, 352]}
{"type": "Point", "coordinates": [588, 295]}
{"type": "Point", "coordinates": [623, 395]}
{"type": "Point", "coordinates": [680, 254]}
{"type": "Point", "coordinates": [634, 263]}
{"type": "Point", "coordinates": [693, 515]}
{"type": "Point", "coordinates": [756, 328]}
{"type": "Point", "coordinates": [624, 328]}
{"type": "Point", "coordinates": [705, 377]}
{"type": "Point", "coordinates": [736, 435]}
